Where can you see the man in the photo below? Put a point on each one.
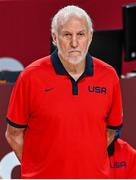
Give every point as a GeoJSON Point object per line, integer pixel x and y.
{"type": "Point", "coordinates": [63, 105]}
{"type": "Point", "coordinates": [122, 159]}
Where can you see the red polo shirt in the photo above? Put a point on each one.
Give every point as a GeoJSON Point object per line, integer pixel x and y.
{"type": "Point", "coordinates": [65, 119]}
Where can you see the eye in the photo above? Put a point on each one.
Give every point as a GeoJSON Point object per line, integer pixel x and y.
{"type": "Point", "coordinates": [81, 34]}
{"type": "Point", "coordinates": [67, 35]}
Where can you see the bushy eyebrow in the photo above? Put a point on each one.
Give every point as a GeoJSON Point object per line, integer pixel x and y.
{"type": "Point", "coordinates": [81, 31]}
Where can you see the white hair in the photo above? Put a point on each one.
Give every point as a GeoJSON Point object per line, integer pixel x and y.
{"type": "Point", "coordinates": [67, 12]}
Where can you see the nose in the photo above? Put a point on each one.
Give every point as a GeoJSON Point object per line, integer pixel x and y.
{"type": "Point", "coordinates": [74, 41]}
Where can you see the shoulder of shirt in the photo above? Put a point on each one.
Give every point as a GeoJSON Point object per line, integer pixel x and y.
{"type": "Point", "coordinates": [125, 145]}
{"type": "Point", "coordinates": [38, 65]}
{"type": "Point", "coordinates": [99, 63]}
{"type": "Point", "coordinates": [105, 68]}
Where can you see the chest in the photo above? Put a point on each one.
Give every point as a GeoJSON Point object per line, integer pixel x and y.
{"type": "Point", "coordinates": [62, 95]}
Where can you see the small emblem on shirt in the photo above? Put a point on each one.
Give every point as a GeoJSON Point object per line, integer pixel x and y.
{"type": "Point", "coordinates": [97, 89]}
{"type": "Point", "coordinates": [118, 164]}
{"type": "Point", "coordinates": [48, 89]}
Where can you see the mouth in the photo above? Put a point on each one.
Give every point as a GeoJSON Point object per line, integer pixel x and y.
{"type": "Point", "coordinates": [74, 52]}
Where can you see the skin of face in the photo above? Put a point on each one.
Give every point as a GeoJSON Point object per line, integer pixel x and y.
{"type": "Point", "coordinates": [72, 39]}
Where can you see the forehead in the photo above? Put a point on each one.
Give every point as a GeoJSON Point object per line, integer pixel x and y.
{"type": "Point", "coordinates": [72, 23]}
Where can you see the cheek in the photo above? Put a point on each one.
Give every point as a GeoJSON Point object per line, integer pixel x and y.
{"type": "Point", "coordinates": [84, 46]}
{"type": "Point", "coordinates": [87, 44]}
{"type": "Point", "coordinates": [63, 45]}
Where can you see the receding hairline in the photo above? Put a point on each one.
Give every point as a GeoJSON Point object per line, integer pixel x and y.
{"type": "Point", "coordinates": [68, 11]}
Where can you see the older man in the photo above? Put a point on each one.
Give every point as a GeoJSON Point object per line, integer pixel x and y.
{"type": "Point", "coordinates": [65, 107]}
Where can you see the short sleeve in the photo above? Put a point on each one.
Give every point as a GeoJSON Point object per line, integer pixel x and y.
{"type": "Point", "coordinates": [114, 119]}
{"type": "Point", "coordinates": [18, 109]}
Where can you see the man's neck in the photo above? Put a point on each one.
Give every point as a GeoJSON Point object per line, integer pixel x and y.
{"type": "Point", "coordinates": [74, 70]}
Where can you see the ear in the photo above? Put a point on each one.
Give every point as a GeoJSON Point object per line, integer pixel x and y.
{"type": "Point", "coordinates": [54, 39]}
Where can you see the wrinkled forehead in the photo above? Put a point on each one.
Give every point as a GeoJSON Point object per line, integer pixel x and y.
{"type": "Point", "coordinates": [62, 20]}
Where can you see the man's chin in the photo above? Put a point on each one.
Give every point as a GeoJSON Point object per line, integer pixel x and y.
{"type": "Point", "coordinates": [75, 60]}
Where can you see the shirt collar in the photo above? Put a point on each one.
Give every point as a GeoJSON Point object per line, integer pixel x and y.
{"type": "Point", "coordinates": [59, 68]}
